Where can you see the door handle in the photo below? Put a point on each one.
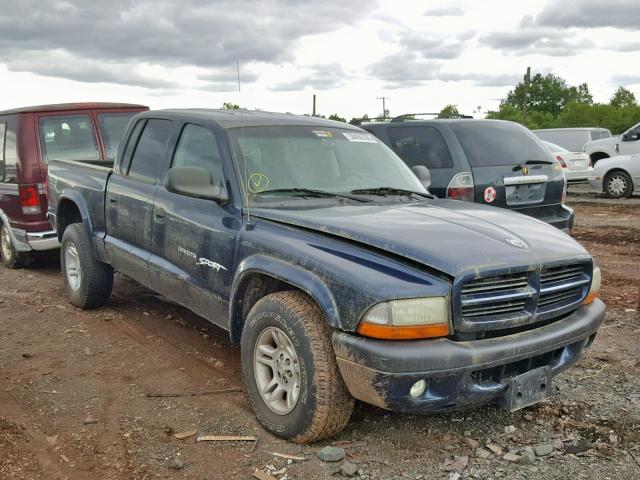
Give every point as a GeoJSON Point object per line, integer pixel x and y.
{"type": "Point", "coordinates": [113, 201]}
{"type": "Point", "coordinates": [159, 217]}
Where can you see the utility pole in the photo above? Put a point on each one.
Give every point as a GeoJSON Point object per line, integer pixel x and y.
{"type": "Point", "coordinates": [314, 105]}
{"type": "Point", "coordinates": [525, 101]}
{"type": "Point", "coordinates": [385, 113]}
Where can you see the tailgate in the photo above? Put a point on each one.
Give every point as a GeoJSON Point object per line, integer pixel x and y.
{"type": "Point", "coordinates": [517, 187]}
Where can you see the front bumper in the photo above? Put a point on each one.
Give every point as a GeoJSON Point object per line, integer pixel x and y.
{"type": "Point", "coordinates": [26, 241]}
{"type": "Point", "coordinates": [459, 374]}
{"type": "Point", "coordinates": [597, 183]}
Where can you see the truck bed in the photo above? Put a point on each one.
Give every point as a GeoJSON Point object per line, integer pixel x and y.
{"type": "Point", "coordinates": [70, 179]}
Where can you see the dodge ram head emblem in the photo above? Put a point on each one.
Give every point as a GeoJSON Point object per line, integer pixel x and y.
{"type": "Point", "coordinates": [516, 242]}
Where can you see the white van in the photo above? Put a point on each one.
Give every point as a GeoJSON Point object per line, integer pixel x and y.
{"type": "Point", "coordinates": [573, 139]}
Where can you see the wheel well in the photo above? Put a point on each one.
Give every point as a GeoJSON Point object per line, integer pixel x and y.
{"type": "Point", "coordinates": [595, 156]}
{"type": "Point", "coordinates": [252, 288]}
{"type": "Point", "coordinates": [68, 213]}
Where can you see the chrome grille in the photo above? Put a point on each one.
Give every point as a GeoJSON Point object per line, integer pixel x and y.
{"type": "Point", "coordinates": [561, 285]}
{"type": "Point", "coordinates": [514, 299]}
{"type": "Point", "coordinates": [498, 295]}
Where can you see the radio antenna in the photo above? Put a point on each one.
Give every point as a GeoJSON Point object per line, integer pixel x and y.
{"type": "Point", "coordinates": [244, 160]}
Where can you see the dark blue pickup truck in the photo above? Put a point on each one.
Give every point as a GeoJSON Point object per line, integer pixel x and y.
{"type": "Point", "coordinates": [323, 255]}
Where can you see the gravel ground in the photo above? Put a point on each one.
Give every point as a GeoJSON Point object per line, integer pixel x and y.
{"type": "Point", "coordinates": [74, 389]}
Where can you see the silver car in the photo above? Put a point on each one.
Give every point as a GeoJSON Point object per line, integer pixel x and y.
{"type": "Point", "coordinates": [575, 165]}
{"type": "Point", "coordinates": [617, 177]}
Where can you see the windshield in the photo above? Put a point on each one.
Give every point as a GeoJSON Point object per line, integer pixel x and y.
{"type": "Point", "coordinates": [553, 148]}
{"type": "Point", "coordinates": [112, 127]}
{"type": "Point", "coordinates": [316, 158]}
{"type": "Point", "coordinates": [489, 144]}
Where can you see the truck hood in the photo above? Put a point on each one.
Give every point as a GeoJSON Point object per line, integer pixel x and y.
{"type": "Point", "coordinates": [447, 235]}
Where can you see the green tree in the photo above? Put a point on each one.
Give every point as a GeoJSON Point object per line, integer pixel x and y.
{"type": "Point", "coordinates": [448, 111]}
{"type": "Point", "coordinates": [623, 98]}
{"type": "Point", "coordinates": [230, 106]}
{"type": "Point", "coordinates": [359, 120]}
{"type": "Point", "coordinates": [548, 93]}
{"type": "Point", "coordinates": [337, 118]}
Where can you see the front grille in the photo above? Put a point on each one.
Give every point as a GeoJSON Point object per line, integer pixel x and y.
{"type": "Point", "coordinates": [498, 295]}
{"type": "Point", "coordinates": [501, 302]}
{"type": "Point", "coordinates": [561, 285]}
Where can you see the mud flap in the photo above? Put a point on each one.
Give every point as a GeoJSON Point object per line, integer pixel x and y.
{"type": "Point", "coordinates": [526, 389]}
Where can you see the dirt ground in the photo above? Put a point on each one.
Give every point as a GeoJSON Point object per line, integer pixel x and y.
{"type": "Point", "coordinates": [75, 386]}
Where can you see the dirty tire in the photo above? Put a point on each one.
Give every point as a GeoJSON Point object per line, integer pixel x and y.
{"type": "Point", "coordinates": [12, 258]}
{"type": "Point", "coordinates": [324, 404]}
{"type": "Point", "coordinates": [618, 184]}
{"type": "Point", "coordinates": [96, 279]}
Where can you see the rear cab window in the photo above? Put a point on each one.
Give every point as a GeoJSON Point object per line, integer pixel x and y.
{"type": "Point", "coordinates": [147, 161]}
{"type": "Point", "coordinates": [112, 127]}
{"type": "Point", "coordinates": [420, 146]}
{"type": "Point", "coordinates": [497, 144]}
{"type": "Point", "coordinates": [68, 137]}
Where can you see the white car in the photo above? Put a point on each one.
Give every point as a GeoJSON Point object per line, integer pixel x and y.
{"type": "Point", "coordinates": [617, 177]}
{"type": "Point", "coordinates": [626, 144]}
{"type": "Point", "coordinates": [573, 139]}
{"type": "Point", "coordinates": [575, 165]}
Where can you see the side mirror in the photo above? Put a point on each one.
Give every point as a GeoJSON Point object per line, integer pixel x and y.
{"type": "Point", "coordinates": [195, 182]}
{"type": "Point", "coordinates": [423, 174]}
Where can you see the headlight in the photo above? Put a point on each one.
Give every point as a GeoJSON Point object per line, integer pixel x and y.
{"type": "Point", "coordinates": [596, 281]}
{"type": "Point", "coordinates": [407, 319]}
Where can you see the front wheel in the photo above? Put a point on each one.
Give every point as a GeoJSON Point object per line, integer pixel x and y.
{"type": "Point", "coordinates": [88, 281]}
{"type": "Point", "coordinates": [12, 258]}
{"type": "Point", "coordinates": [290, 371]}
{"type": "Point", "coordinates": [618, 185]}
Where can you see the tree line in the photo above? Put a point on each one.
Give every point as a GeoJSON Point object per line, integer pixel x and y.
{"type": "Point", "coordinates": [552, 103]}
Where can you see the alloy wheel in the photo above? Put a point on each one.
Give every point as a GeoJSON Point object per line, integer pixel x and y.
{"type": "Point", "coordinates": [277, 370]}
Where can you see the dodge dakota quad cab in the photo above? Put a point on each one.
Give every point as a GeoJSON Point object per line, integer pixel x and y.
{"type": "Point", "coordinates": [330, 264]}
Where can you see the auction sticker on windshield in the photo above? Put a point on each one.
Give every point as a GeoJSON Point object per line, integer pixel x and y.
{"type": "Point", "coordinates": [360, 137]}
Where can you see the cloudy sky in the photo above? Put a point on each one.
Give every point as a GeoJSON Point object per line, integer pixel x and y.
{"type": "Point", "coordinates": [421, 54]}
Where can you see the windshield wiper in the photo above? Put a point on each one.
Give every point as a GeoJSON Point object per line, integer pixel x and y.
{"type": "Point", "coordinates": [311, 192]}
{"type": "Point", "coordinates": [531, 162]}
{"type": "Point", "coordinates": [384, 191]}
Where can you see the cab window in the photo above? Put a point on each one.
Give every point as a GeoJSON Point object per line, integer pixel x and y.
{"type": "Point", "coordinates": [198, 147]}
{"type": "Point", "coordinates": [147, 162]}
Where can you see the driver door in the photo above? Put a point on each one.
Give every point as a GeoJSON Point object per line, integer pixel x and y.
{"type": "Point", "coordinates": [194, 239]}
{"type": "Point", "coordinates": [630, 141]}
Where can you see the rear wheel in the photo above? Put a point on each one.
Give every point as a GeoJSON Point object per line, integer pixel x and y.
{"type": "Point", "coordinates": [290, 371]}
{"type": "Point", "coordinates": [618, 185]}
{"type": "Point", "coordinates": [12, 258]}
{"type": "Point", "coordinates": [88, 281]}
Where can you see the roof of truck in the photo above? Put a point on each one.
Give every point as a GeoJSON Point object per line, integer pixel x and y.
{"type": "Point", "coordinates": [231, 118]}
{"type": "Point", "coordinates": [58, 107]}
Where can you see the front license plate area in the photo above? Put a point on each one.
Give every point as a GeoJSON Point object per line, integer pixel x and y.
{"type": "Point", "coordinates": [526, 389]}
{"type": "Point", "coordinates": [525, 194]}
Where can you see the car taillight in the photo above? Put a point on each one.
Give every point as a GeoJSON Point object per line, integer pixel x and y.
{"type": "Point", "coordinates": [29, 199]}
{"type": "Point", "coordinates": [561, 160]}
{"type": "Point", "coordinates": [461, 187]}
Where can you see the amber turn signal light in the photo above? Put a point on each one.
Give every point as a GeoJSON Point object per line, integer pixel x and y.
{"type": "Point", "coordinates": [405, 332]}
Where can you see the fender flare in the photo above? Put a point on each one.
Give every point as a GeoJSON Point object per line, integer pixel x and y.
{"type": "Point", "coordinates": [75, 198]}
{"type": "Point", "coordinates": [307, 281]}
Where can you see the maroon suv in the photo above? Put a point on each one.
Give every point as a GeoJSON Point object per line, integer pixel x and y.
{"type": "Point", "coordinates": [29, 138]}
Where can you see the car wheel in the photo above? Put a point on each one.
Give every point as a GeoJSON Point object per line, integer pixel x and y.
{"type": "Point", "coordinates": [12, 258]}
{"type": "Point", "coordinates": [618, 185]}
{"type": "Point", "coordinates": [290, 371]}
{"type": "Point", "coordinates": [87, 280]}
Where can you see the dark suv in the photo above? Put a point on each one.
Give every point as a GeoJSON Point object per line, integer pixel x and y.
{"type": "Point", "coordinates": [493, 162]}
{"type": "Point", "coordinates": [30, 138]}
